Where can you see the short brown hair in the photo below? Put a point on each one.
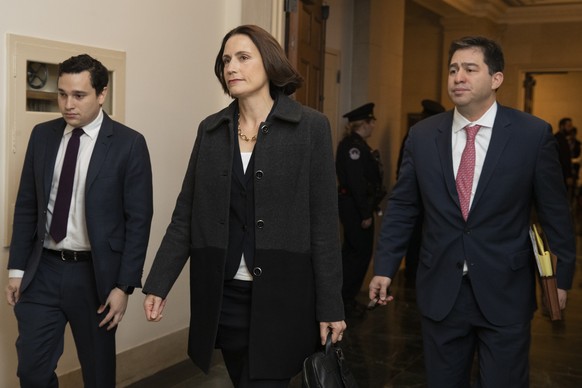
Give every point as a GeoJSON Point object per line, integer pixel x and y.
{"type": "Point", "coordinates": [282, 75]}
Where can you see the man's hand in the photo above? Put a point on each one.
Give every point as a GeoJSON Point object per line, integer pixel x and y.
{"type": "Point", "coordinates": [337, 331]}
{"type": "Point", "coordinates": [562, 298]}
{"type": "Point", "coordinates": [117, 303]}
{"type": "Point", "coordinates": [153, 307]}
{"type": "Point", "coordinates": [13, 290]}
{"type": "Point", "coordinates": [378, 290]}
{"type": "Point", "coordinates": [366, 223]}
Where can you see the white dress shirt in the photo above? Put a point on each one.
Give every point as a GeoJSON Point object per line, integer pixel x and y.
{"type": "Point", "coordinates": [77, 238]}
{"type": "Point", "coordinates": [459, 139]}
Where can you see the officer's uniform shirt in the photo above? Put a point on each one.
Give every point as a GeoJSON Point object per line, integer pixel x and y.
{"type": "Point", "coordinates": [358, 171]}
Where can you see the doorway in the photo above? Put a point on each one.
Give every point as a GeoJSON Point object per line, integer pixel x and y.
{"type": "Point", "coordinates": [553, 95]}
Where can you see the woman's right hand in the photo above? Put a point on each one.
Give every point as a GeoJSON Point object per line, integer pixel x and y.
{"type": "Point", "coordinates": [336, 328]}
{"type": "Point", "coordinates": [154, 306]}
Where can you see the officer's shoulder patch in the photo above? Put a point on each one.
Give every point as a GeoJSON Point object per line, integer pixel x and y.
{"type": "Point", "coordinates": [354, 153]}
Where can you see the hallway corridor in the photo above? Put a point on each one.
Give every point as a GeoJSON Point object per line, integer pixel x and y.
{"type": "Point", "coordinates": [384, 347]}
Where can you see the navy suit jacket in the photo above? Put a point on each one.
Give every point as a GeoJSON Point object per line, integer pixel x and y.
{"type": "Point", "coordinates": [118, 203]}
{"type": "Point", "coordinates": [521, 171]}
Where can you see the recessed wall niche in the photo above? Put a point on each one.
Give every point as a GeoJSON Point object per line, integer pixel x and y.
{"type": "Point", "coordinates": [42, 88]}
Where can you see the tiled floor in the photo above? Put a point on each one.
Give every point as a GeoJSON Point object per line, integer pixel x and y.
{"type": "Point", "coordinates": [384, 348]}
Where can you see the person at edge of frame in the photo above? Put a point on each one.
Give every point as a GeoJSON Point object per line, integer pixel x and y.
{"type": "Point", "coordinates": [477, 171]}
{"type": "Point", "coordinates": [78, 248]}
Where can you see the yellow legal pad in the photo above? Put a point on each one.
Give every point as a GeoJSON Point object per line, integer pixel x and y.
{"type": "Point", "coordinates": [542, 253]}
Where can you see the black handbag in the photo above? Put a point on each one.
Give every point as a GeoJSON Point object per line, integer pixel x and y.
{"type": "Point", "coordinates": [327, 368]}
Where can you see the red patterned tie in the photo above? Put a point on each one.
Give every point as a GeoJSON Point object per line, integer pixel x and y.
{"type": "Point", "coordinates": [466, 170]}
{"type": "Point", "coordinates": [60, 218]}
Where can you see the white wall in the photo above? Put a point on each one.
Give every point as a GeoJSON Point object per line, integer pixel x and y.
{"type": "Point", "coordinates": [170, 87]}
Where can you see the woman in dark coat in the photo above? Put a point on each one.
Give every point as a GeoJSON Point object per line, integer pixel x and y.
{"type": "Point", "coordinates": [257, 216]}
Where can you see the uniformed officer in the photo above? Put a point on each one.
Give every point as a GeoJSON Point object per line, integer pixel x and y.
{"type": "Point", "coordinates": [359, 173]}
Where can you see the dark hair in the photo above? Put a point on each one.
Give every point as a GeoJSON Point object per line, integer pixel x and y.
{"type": "Point", "coordinates": [98, 73]}
{"type": "Point", "coordinates": [563, 121]}
{"type": "Point", "coordinates": [492, 53]}
{"type": "Point", "coordinates": [282, 75]}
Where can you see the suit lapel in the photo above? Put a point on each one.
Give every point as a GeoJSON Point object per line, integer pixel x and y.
{"type": "Point", "coordinates": [445, 151]}
{"type": "Point", "coordinates": [102, 145]}
{"type": "Point", "coordinates": [500, 135]}
{"type": "Point", "coordinates": [52, 145]}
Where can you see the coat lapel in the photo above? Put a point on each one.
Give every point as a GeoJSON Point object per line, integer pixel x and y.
{"type": "Point", "coordinates": [102, 145]}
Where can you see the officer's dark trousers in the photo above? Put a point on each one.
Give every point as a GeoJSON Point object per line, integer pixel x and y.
{"type": "Point", "coordinates": [356, 250]}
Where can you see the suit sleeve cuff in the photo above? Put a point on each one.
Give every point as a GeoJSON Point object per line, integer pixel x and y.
{"type": "Point", "coordinates": [15, 273]}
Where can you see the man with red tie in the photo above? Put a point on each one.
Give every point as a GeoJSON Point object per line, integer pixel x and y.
{"type": "Point", "coordinates": [477, 171]}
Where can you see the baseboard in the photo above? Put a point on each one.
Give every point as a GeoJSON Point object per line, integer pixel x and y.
{"type": "Point", "coordinates": [140, 362]}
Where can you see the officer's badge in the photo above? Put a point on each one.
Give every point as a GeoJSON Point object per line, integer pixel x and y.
{"type": "Point", "coordinates": [354, 153]}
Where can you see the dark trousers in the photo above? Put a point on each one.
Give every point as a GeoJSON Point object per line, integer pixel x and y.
{"type": "Point", "coordinates": [356, 250]}
{"type": "Point", "coordinates": [62, 292]}
{"type": "Point", "coordinates": [449, 347]}
{"type": "Point", "coordinates": [233, 336]}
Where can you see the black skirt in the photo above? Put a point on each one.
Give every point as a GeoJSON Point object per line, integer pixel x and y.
{"type": "Point", "coordinates": [235, 315]}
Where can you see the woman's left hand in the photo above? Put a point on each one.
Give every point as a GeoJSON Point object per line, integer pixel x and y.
{"type": "Point", "coordinates": [337, 331]}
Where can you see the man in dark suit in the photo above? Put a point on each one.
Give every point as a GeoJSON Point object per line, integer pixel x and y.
{"type": "Point", "coordinates": [78, 248]}
{"type": "Point", "coordinates": [476, 276]}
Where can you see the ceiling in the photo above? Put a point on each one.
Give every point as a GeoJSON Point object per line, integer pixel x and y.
{"type": "Point", "coordinates": [509, 11]}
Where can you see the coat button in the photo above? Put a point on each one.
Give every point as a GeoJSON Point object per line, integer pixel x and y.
{"type": "Point", "coordinates": [259, 174]}
{"type": "Point", "coordinates": [264, 128]}
{"type": "Point", "coordinates": [257, 271]}
{"type": "Point", "coordinates": [260, 224]}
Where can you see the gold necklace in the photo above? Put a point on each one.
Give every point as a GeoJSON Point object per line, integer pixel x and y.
{"type": "Point", "coordinates": [243, 136]}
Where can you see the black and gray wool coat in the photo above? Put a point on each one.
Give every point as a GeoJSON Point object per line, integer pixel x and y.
{"type": "Point", "coordinates": [296, 239]}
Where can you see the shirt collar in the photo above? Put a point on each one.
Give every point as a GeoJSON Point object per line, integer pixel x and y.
{"type": "Point", "coordinates": [91, 129]}
{"type": "Point", "coordinates": [487, 120]}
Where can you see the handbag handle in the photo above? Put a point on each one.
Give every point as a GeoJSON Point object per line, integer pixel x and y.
{"type": "Point", "coordinates": [328, 343]}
